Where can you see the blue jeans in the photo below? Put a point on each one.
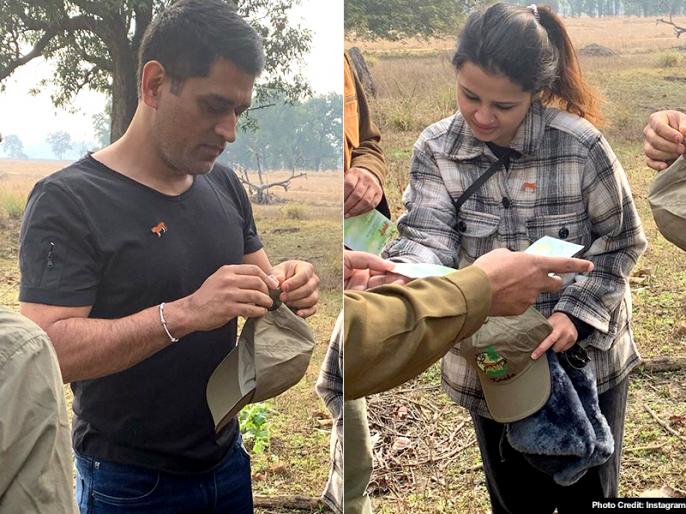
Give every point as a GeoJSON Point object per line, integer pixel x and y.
{"type": "Point", "coordinates": [104, 487]}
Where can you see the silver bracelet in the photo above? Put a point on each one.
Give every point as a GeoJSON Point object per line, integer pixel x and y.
{"type": "Point", "coordinates": [164, 325]}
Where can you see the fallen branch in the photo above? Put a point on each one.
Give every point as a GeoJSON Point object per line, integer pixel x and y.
{"type": "Point", "coordinates": [260, 192]}
{"type": "Point", "coordinates": [644, 448]}
{"type": "Point", "coordinates": [661, 364]}
{"type": "Point", "coordinates": [289, 502]}
{"type": "Point", "coordinates": [285, 183]}
{"type": "Point", "coordinates": [664, 424]}
{"type": "Point", "coordinates": [677, 29]}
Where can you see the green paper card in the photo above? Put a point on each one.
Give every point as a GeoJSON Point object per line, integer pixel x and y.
{"type": "Point", "coordinates": [368, 232]}
{"type": "Point", "coordinates": [551, 247]}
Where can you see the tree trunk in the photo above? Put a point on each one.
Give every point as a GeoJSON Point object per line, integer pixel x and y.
{"type": "Point", "coordinates": [124, 90]}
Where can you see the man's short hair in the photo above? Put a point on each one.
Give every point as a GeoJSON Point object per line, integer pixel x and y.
{"type": "Point", "coordinates": [190, 35]}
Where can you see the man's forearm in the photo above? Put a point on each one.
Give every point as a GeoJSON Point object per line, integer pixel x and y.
{"type": "Point", "coordinates": [393, 333]}
{"type": "Point", "coordinates": [91, 348]}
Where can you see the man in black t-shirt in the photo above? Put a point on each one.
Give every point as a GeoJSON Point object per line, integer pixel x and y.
{"type": "Point", "coordinates": [137, 259]}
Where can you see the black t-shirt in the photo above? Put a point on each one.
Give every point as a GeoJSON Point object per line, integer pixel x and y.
{"type": "Point", "coordinates": [92, 236]}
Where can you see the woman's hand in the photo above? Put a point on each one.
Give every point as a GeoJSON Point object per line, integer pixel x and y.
{"type": "Point", "coordinates": [562, 338]}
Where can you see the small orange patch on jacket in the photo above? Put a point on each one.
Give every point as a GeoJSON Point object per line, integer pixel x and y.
{"type": "Point", "coordinates": [529, 186]}
{"type": "Point", "coordinates": [159, 229]}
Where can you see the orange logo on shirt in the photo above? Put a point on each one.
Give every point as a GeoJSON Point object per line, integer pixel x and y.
{"type": "Point", "coordinates": [159, 229]}
{"type": "Point", "coordinates": [529, 186]}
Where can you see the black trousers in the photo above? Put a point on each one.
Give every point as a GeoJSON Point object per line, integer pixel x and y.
{"type": "Point", "coordinates": [515, 487]}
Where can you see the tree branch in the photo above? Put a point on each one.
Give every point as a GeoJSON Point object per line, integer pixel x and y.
{"type": "Point", "coordinates": [86, 78]}
{"type": "Point", "coordinates": [663, 424]}
{"type": "Point", "coordinates": [36, 51]}
{"type": "Point", "coordinates": [258, 107]}
{"type": "Point", "coordinates": [94, 8]}
{"type": "Point", "coordinates": [80, 22]}
{"type": "Point", "coordinates": [289, 502]}
{"type": "Point", "coordinates": [287, 182]}
{"type": "Point", "coordinates": [661, 364]}
{"type": "Point", "coordinates": [99, 62]}
{"type": "Point", "coordinates": [677, 29]}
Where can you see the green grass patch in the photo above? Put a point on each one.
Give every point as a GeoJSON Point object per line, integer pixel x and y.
{"type": "Point", "coordinates": [670, 59]}
{"type": "Point", "coordinates": [12, 204]}
{"type": "Point", "coordinates": [294, 211]}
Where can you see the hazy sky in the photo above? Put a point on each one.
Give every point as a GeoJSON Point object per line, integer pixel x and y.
{"type": "Point", "coordinates": [32, 118]}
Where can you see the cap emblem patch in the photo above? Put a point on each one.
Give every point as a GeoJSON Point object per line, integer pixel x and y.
{"type": "Point", "coordinates": [492, 363]}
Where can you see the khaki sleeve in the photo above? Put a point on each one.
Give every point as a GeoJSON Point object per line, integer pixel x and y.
{"type": "Point", "coordinates": [368, 154]}
{"type": "Point", "coordinates": [35, 450]}
{"type": "Point", "coordinates": [393, 333]}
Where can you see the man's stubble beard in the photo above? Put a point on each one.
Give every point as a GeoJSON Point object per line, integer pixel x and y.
{"type": "Point", "coordinates": [182, 166]}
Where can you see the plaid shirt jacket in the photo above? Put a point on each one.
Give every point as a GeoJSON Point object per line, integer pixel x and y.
{"type": "Point", "coordinates": [566, 183]}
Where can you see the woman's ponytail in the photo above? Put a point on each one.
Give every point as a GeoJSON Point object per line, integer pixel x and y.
{"type": "Point", "coordinates": [569, 91]}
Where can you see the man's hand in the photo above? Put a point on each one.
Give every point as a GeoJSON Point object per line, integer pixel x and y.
{"type": "Point", "coordinates": [562, 338]}
{"type": "Point", "coordinates": [362, 191]}
{"type": "Point", "coordinates": [299, 286]}
{"type": "Point", "coordinates": [363, 270]}
{"type": "Point", "coordinates": [664, 138]}
{"type": "Point", "coordinates": [518, 278]}
{"type": "Point", "coordinates": [231, 291]}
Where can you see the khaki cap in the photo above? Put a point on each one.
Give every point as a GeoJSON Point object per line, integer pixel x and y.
{"type": "Point", "coordinates": [272, 355]}
{"type": "Point", "coordinates": [667, 197]}
{"type": "Point", "coordinates": [514, 385]}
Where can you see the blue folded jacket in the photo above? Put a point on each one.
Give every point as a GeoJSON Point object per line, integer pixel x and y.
{"type": "Point", "coordinates": [569, 434]}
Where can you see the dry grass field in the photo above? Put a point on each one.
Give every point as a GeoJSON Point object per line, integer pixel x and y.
{"type": "Point", "coordinates": [306, 226]}
{"type": "Point", "coordinates": [634, 83]}
{"type": "Point", "coordinates": [627, 35]}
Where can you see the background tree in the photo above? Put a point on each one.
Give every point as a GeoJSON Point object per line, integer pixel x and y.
{"type": "Point", "coordinates": [320, 135]}
{"type": "Point", "coordinates": [303, 135]}
{"type": "Point", "coordinates": [60, 142]}
{"type": "Point", "coordinates": [95, 43]}
{"type": "Point", "coordinates": [81, 148]}
{"type": "Point", "coordinates": [13, 147]}
{"type": "Point", "coordinates": [102, 125]}
{"type": "Point", "coordinates": [394, 19]}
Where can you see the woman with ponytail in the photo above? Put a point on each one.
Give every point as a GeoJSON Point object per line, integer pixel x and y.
{"type": "Point", "coordinates": [522, 159]}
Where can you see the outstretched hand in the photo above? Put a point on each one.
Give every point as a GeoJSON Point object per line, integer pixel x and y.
{"type": "Point", "coordinates": [363, 270]}
{"type": "Point", "coordinates": [518, 278]}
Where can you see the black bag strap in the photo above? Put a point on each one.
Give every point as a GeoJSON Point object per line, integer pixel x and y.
{"type": "Point", "coordinates": [476, 185]}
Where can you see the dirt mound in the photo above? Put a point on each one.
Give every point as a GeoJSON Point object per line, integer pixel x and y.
{"type": "Point", "coordinates": [596, 50]}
